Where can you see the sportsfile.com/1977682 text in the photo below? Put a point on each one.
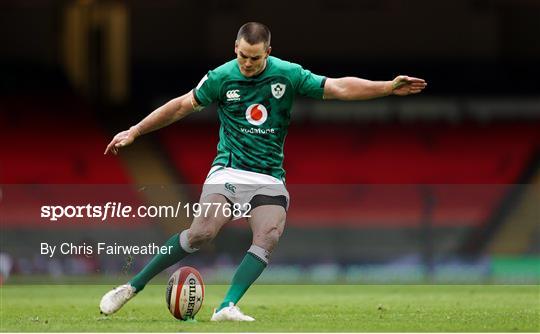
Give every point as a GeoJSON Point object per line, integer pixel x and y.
{"type": "Point", "coordinates": [111, 210]}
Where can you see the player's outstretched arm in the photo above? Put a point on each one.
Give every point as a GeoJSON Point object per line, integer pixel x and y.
{"type": "Point", "coordinates": [168, 113]}
{"type": "Point", "coordinates": [350, 88]}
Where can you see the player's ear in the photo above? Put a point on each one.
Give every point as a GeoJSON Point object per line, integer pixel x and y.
{"type": "Point", "coordinates": [236, 47]}
{"type": "Point", "coordinates": [268, 50]}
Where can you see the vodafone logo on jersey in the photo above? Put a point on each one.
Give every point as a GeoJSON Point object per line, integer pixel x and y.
{"type": "Point", "coordinates": [256, 114]}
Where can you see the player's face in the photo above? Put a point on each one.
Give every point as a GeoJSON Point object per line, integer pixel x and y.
{"type": "Point", "coordinates": [251, 58]}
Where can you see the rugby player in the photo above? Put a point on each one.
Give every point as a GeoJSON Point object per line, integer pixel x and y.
{"type": "Point", "coordinates": [254, 95]}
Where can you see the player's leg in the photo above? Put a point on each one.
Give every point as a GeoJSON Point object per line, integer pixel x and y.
{"type": "Point", "coordinates": [267, 224]}
{"type": "Point", "coordinates": [202, 230]}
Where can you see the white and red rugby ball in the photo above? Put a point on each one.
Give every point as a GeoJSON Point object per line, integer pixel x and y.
{"type": "Point", "coordinates": [185, 293]}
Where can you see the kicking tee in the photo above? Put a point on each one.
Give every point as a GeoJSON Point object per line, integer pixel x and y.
{"type": "Point", "coordinates": [255, 112]}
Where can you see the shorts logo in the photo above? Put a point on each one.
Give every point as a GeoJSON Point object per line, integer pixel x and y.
{"type": "Point", "coordinates": [256, 114]}
{"type": "Point", "coordinates": [233, 95]}
{"type": "Point", "coordinates": [230, 187]}
{"type": "Point", "coordinates": [278, 90]}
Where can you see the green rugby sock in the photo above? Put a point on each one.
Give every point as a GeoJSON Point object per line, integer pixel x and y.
{"type": "Point", "coordinates": [247, 272]}
{"type": "Point", "coordinates": [161, 262]}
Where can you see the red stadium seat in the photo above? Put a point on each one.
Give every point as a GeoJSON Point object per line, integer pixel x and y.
{"type": "Point", "coordinates": [465, 160]}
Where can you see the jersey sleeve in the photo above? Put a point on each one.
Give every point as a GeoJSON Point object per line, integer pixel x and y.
{"type": "Point", "coordinates": [207, 91]}
{"type": "Point", "coordinates": [309, 84]}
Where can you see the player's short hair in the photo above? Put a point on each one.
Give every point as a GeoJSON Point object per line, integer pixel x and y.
{"type": "Point", "coordinates": [254, 33]}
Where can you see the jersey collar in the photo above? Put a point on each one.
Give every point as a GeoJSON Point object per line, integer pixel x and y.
{"type": "Point", "coordinates": [266, 65]}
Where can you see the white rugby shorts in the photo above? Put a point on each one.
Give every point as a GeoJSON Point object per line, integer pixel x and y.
{"type": "Point", "coordinates": [240, 186]}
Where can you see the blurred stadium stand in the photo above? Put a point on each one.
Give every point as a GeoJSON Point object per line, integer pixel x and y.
{"type": "Point", "coordinates": [55, 139]}
{"type": "Point", "coordinates": [443, 186]}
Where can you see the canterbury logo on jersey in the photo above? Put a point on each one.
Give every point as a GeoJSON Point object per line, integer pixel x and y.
{"type": "Point", "coordinates": [233, 95]}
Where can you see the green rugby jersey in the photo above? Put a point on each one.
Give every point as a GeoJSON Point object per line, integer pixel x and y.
{"type": "Point", "coordinates": [255, 112]}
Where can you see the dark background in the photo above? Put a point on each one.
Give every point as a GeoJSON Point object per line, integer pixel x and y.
{"type": "Point", "coordinates": [465, 47]}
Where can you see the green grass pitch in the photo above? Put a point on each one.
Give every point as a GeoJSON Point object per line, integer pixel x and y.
{"type": "Point", "coordinates": [299, 308]}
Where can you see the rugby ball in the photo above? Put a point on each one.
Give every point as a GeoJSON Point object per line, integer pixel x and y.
{"type": "Point", "coordinates": [185, 293]}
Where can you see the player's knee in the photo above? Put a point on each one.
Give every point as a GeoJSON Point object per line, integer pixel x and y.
{"type": "Point", "coordinates": [273, 236]}
{"type": "Point", "coordinates": [269, 238]}
{"type": "Point", "coordinates": [202, 235]}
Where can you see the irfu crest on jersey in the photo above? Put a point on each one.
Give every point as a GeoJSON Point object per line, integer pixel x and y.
{"type": "Point", "coordinates": [278, 90]}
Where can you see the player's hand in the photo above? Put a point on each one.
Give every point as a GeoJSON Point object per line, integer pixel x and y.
{"type": "Point", "coordinates": [404, 85]}
{"type": "Point", "coordinates": [122, 139]}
